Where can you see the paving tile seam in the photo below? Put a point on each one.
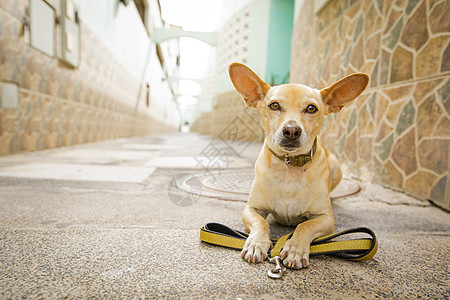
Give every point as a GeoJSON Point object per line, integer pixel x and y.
{"type": "Point", "coordinates": [81, 188]}
{"type": "Point", "coordinates": [398, 203]}
{"type": "Point", "coordinates": [432, 233]}
{"type": "Point", "coordinates": [360, 198]}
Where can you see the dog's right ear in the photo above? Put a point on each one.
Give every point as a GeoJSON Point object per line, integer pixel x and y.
{"type": "Point", "coordinates": [248, 84]}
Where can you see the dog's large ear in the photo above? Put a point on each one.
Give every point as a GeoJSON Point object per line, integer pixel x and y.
{"type": "Point", "coordinates": [248, 84]}
{"type": "Point", "coordinates": [344, 91]}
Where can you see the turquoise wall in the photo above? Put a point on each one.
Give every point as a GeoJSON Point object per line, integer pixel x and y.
{"type": "Point", "coordinates": [279, 41]}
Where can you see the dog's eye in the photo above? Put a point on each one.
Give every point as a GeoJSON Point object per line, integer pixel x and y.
{"type": "Point", "coordinates": [274, 106]}
{"type": "Point", "coordinates": [311, 109]}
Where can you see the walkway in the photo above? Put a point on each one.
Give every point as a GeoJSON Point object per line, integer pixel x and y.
{"type": "Point", "coordinates": [104, 220]}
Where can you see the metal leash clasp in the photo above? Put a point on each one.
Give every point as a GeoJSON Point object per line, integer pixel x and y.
{"type": "Point", "coordinates": [279, 270]}
{"type": "Point", "coordinates": [287, 160]}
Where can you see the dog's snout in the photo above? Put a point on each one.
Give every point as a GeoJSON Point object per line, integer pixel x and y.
{"type": "Point", "coordinates": [292, 132]}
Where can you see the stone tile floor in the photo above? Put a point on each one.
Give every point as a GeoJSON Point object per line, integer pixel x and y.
{"type": "Point", "coordinates": [96, 221]}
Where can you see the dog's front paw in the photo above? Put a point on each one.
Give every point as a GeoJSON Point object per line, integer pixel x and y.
{"type": "Point", "coordinates": [256, 248]}
{"type": "Point", "coordinates": [295, 254]}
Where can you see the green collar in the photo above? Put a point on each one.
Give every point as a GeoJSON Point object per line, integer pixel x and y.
{"type": "Point", "coordinates": [298, 160]}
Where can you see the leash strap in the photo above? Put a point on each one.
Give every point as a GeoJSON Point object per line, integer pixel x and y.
{"type": "Point", "coordinates": [353, 249]}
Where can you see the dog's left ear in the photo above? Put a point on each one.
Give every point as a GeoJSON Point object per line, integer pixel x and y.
{"type": "Point", "coordinates": [344, 91]}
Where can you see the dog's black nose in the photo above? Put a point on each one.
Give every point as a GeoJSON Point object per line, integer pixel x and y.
{"type": "Point", "coordinates": [292, 132]}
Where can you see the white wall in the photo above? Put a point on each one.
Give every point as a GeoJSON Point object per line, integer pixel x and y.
{"type": "Point", "coordinates": [233, 47]}
{"type": "Point", "coordinates": [121, 29]}
{"type": "Point", "coordinates": [230, 7]}
{"type": "Point", "coordinates": [297, 7]}
{"type": "Point", "coordinates": [256, 46]}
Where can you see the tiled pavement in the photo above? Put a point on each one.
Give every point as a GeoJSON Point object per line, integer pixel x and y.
{"type": "Point", "coordinates": [101, 220]}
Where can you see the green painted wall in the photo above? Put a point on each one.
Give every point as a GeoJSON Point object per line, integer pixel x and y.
{"type": "Point", "coordinates": [279, 41]}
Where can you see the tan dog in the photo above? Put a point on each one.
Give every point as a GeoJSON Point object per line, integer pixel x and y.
{"type": "Point", "coordinates": [294, 172]}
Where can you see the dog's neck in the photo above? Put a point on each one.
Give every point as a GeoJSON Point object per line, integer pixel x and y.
{"type": "Point", "coordinates": [297, 160]}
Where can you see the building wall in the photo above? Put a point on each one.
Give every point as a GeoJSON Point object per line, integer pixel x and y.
{"type": "Point", "coordinates": [398, 132]}
{"type": "Point", "coordinates": [243, 38]}
{"type": "Point", "coordinates": [58, 105]}
{"type": "Point", "coordinates": [248, 37]}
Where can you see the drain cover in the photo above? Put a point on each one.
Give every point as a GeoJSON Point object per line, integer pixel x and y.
{"type": "Point", "coordinates": [239, 183]}
{"type": "Point", "coordinates": [236, 185]}
{"type": "Point", "coordinates": [227, 185]}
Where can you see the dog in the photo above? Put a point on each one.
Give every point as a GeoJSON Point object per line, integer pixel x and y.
{"type": "Point", "coordinates": [294, 172]}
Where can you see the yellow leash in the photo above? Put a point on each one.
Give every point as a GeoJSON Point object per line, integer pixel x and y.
{"type": "Point", "coordinates": [353, 249]}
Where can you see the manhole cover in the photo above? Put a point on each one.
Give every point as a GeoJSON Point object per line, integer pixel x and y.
{"type": "Point", "coordinates": [236, 185]}
{"type": "Point", "coordinates": [239, 183]}
{"type": "Point", "coordinates": [226, 185]}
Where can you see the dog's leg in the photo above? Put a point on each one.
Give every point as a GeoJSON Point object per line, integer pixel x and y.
{"type": "Point", "coordinates": [258, 242]}
{"type": "Point", "coordinates": [295, 253]}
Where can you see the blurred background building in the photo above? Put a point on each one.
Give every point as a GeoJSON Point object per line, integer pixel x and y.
{"type": "Point", "coordinates": [75, 71]}
{"type": "Point", "coordinates": [253, 34]}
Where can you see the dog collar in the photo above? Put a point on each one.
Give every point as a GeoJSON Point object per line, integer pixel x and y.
{"type": "Point", "coordinates": [298, 160]}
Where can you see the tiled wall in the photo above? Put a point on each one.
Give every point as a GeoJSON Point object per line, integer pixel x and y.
{"type": "Point", "coordinates": [63, 106]}
{"type": "Point", "coordinates": [398, 132]}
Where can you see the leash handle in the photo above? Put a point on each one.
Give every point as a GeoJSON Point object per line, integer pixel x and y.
{"type": "Point", "coordinates": [353, 249]}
